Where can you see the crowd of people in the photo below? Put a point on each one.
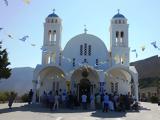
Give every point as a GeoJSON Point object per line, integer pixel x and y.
{"type": "Point", "coordinates": [106, 102]}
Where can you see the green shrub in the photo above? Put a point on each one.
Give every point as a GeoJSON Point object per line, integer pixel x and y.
{"type": "Point", "coordinates": [24, 97]}
{"type": "Point", "coordinates": [4, 96]}
{"type": "Point", "coordinates": [154, 99]}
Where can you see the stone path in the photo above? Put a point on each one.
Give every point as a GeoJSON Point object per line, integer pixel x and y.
{"type": "Point", "coordinates": [23, 111]}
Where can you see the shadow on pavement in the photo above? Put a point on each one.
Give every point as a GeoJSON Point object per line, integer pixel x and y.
{"type": "Point", "coordinates": [41, 109]}
{"type": "Point", "coordinates": [108, 114]}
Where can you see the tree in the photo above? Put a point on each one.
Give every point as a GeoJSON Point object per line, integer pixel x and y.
{"type": "Point", "coordinates": [5, 72]}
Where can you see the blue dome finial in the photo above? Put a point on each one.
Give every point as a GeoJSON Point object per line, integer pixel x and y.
{"type": "Point", "coordinates": [118, 15]}
{"type": "Point", "coordinates": [53, 14]}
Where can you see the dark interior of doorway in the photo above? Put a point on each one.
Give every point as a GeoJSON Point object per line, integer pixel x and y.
{"type": "Point", "coordinates": [84, 88]}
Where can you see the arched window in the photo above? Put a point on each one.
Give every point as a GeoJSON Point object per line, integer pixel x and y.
{"type": "Point", "coordinates": [52, 21]}
{"type": "Point", "coordinates": [97, 62]}
{"type": "Point", "coordinates": [74, 62]}
{"type": "Point", "coordinates": [89, 50]}
{"type": "Point", "coordinates": [54, 36]}
{"type": "Point", "coordinates": [122, 34]}
{"type": "Point", "coordinates": [50, 35]}
{"type": "Point", "coordinates": [121, 38]}
{"type": "Point", "coordinates": [117, 36]}
{"type": "Point", "coordinates": [81, 49]}
{"type": "Point", "coordinates": [85, 48]}
{"type": "Point", "coordinates": [85, 61]}
{"type": "Point", "coordinates": [119, 21]}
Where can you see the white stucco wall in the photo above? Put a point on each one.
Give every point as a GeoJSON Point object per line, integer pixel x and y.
{"type": "Point", "coordinates": [98, 51]}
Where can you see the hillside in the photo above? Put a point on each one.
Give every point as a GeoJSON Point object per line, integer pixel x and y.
{"type": "Point", "coordinates": [20, 81]}
{"type": "Point", "coordinates": [148, 71]}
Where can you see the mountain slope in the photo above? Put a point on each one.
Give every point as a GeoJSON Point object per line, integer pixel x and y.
{"type": "Point", "coordinates": [20, 81]}
{"type": "Point", "coordinates": [148, 68]}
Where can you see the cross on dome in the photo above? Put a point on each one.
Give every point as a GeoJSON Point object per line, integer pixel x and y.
{"type": "Point", "coordinates": [54, 10]}
{"type": "Point", "coordinates": [118, 11]}
{"type": "Point", "coordinates": [85, 29]}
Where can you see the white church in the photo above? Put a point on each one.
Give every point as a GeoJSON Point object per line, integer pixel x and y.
{"type": "Point", "coordinates": [85, 64]}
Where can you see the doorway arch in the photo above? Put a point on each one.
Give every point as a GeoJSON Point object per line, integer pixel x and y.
{"type": "Point", "coordinates": [85, 79]}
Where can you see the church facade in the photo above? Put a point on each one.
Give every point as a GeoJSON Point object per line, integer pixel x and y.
{"type": "Point", "coordinates": [85, 64]}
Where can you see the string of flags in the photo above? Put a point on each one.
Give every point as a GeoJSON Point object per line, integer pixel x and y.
{"type": "Point", "coordinates": [155, 45]}
{"type": "Point", "coordinates": [26, 37]}
{"type": "Point", "coordinates": [23, 39]}
{"type": "Point", "coordinates": [25, 1]}
{"type": "Point", "coordinates": [135, 51]}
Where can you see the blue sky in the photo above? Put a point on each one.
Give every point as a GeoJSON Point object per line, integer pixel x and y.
{"type": "Point", "coordinates": [20, 19]}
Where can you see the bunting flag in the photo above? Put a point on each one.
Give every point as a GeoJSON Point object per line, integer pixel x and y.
{"type": "Point", "coordinates": [143, 48]}
{"type": "Point", "coordinates": [44, 49]}
{"type": "Point", "coordinates": [1, 29]}
{"type": "Point", "coordinates": [6, 2]}
{"type": "Point", "coordinates": [33, 45]}
{"type": "Point", "coordinates": [27, 1]}
{"type": "Point", "coordinates": [24, 38]}
{"type": "Point", "coordinates": [136, 55]}
{"type": "Point", "coordinates": [155, 45]}
{"type": "Point", "coordinates": [135, 51]}
{"type": "Point", "coordinates": [10, 36]}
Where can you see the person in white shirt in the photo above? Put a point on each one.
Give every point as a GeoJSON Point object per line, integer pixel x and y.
{"type": "Point", "coordinates": [84, 101]}
{"type": "Point", "coordinates": [56, 101]}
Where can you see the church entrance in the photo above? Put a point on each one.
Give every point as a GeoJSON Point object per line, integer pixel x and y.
{"type": "Point", "coordinates": [84, 88]}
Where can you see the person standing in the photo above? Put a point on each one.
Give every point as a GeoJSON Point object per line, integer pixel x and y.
{"type": "Point", "coordinates": [10, 100]}
{"type": "Point", "coordinates": [51, 100]}
{"type": "Point", "coordinates": [92, 102]}
{"type": "Point", "coordinates": [30, 95]}
{"type": "Point", "coordinates": [84, 101]}
{"type": "Point", "coordinates": [56, 101]}
{"type": "Point", "coordinates": [106, 101]}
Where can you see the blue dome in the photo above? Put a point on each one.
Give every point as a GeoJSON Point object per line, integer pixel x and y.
{"type": "Point", "coordinates": [118, 15]}
{"type": "Point", "coordinates": [53, 15]}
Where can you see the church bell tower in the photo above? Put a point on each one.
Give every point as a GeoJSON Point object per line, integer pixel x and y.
{"type": "Point", "coordinates": [51, 49]}
{"type": "Point", "coordinates": [119, 40]}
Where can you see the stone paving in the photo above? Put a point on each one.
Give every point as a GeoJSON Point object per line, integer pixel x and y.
{"type": "Point", "coordinates": [23, 111]}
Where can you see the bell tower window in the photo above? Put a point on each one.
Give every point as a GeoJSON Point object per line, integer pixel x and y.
{"type": "Point", "coordinates": [50, 35]}
{"type": "Point", "coordinates": [54, 36]}
{"type": "Point", "coordinates": [117, 37]}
